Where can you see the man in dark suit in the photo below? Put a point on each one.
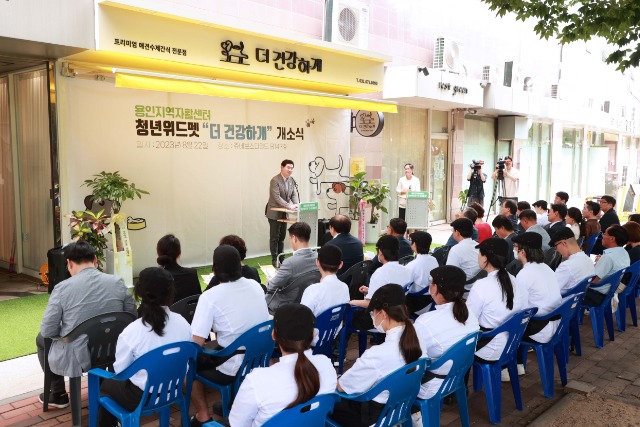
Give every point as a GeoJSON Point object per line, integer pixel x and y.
{"type": "Point", "coordinates": [352, 252]}
{"type": "Point", "coordinates": [557, 214]}
{"type": "Point", "coordinates": [609, 218]}
{"type": "Point", "coordinates": [397, 228]}
{"type": "Point", "coordinates": [282, 194]}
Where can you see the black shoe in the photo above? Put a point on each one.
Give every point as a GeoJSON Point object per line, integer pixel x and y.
{"type": "Point", "coordinates": [57, 400]}
{"type": "Point", "coordinates": [195, 423]}
{"type": "Point", "coordinates": [217, 408]}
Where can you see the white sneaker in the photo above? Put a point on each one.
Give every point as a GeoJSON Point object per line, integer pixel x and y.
{"type": "Point", "coordinates": [505, 375]}
{"type": "Point", "coordinates": [520, 369]}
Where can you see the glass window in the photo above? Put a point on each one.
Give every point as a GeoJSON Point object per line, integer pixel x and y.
{"type": "Point", "coordinates": [535, 159]}
{"type": "Point", "coordinates": [572, 160]}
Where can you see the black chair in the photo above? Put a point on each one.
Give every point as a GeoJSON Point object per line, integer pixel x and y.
{"type": "Point", "coordinates": [186, 307]}
{"type": "Point", "coordinates": [441, 254]}
{"type": "Point", "coordinates": [102, 332]}
{"type": "Point", "coordinates": [356, 276]}
{"type": "Point", "coordinates": [406, 259]}
{"type": "Point", "coordinates": [293, 291]}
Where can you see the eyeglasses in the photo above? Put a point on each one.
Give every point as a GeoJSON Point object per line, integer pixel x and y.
{"type": "Point", "coordinates": [558, 243]}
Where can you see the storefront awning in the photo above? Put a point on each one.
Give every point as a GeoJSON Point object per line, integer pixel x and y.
{"type": "Point", "coordinates": [166, 83]}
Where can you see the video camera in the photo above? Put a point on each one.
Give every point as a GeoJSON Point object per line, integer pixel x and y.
{"type": "Point", "coordinates": [500, 164]}
{"type": "Point", "coordinates": [476, 165]}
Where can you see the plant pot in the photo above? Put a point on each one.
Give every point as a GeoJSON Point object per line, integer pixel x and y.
{"type": "Point", "coordinates": [373, 233]}
{"type": "Point", "coordinates": [123, 270]}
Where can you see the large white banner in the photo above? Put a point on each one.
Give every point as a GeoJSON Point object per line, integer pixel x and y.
{"type": "Point", "coordinates": [206, 161]}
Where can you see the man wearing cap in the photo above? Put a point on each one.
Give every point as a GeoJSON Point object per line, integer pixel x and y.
{"type": "Point", "coordinates": [229, 309]}
{"type": "Point", "coordinates": [351, 247]}
{"type": "Point", "coordinates": [614, 258]}
{"type": "Point", "coordinates": [528, 221]}
{"type": "Point", "coordinates": [420, 268]}
{"type": "Point", "coordinates": [576, 266]}
{"type": "Point", "coordinates": [539, 283]}
{"type": "Point", "coordinates": [557, 214]}
{"type": "Point", "coordinates": [87, 293]}
{"type": "Point", "coordinates": [464, 254]}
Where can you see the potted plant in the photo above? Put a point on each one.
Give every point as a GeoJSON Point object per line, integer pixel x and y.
{"type": "Point", "coordinates": [462, 196]}
{"type": "Point", "coordinates": [375, 193]}
{"type": "Point", "coordinates": [90, 227]}
{"type": "Point", "coordinates": [357, 186]}
{"type": "Point", "coordinates": [115, 188]}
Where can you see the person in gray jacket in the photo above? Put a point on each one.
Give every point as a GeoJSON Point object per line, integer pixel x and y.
{"type": "Point", "coordinates": [284, 288]}
{"type": "Point", "coordinates": [87, 293]}
{"type": "Point", "coordinates": [282, 194]}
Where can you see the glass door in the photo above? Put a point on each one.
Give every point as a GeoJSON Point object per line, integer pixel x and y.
{"type": "Point", "coordinates": [438, 177]}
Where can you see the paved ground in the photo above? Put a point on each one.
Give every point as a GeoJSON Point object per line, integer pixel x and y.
{"type": "Point", "coordinates": [614, 371]}
{"type": "Point", "coordinates": [18, 285]}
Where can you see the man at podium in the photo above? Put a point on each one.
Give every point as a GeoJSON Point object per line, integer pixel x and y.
{"type": "Point", "coordinates": [283, 194]}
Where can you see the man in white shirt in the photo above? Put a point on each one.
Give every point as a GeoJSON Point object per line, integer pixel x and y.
{"type": "Point", "coordinates": [511, 177]}
{"type": "Point", "coordinates": [542, 212]}
{"type": "Point", "coordinates": [330, 291]}
{"type": "Point", "coordinates": [528, 221]}
{"type": "Point", "coordinates": [614, 258]}
{"type": "Point", "coordinates": [577, 265]}
{"type": "Point", "coordinates": [420, 269]}
{"type": "Point", "coordinates": [229, 309]}
{"type": "Point", "coordinates": [464, 254]}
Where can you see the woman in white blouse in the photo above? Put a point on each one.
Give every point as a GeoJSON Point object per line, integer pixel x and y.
{"type": "Point", "coordinates": [407, 183]}
{"type": "Point", "coordinates": [157, 326]}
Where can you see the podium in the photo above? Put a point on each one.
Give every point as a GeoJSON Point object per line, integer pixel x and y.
{"type": "Point", "coordinates": [417, 213]}
{"type": "Point", "coordinates": [307, 213]}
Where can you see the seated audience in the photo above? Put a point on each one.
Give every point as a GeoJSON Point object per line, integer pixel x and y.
{"type": "Point", "coordinates": [574, 221]}
{"type": "Point", "coordinates": [464, 254]}
{"type": "Point", "coordinates": [541, 212]}
{"type": "Point", "coordinates": [557, 214]}
{"type": "Point", "coordinates": [576, 266]}
{"type": "Point", "coordinates": [528, 221]}
{"type": "Point", "coordinates": [495, 298]}
{"type": "Point", "coordinates": [614, 258]}
{"type": "Point", "coordinates": [185, 279]}
{"type": "Point", "coordinates": [472, 215]}
{"type": "Point", "coordinates": [297, 377]}
{"type": "Point", "coordinates": [233, 307]}
{"type": "Point", "coordinates": [484, 229]}
{"type": "Point", "coordinates": [351, 247]}
{"type": "Point", "coordinates": [420, 268]}
{"type": "Point", "coordinates": [440, 329]}
{"type": "Point", "coordinates": [401, 346]}
{"type": "Point", "coordinates": [157, 326]}
{"type": "Point", "coordinates": [397, 228]}
{"type": "Point", "coordinates": [633, 246]}
{"type": "Point", "coordinates": [634, 218]}
{"type": "Point", "coordinates": [522, 205]}
{"type": "Point", "coordinates": [609, 217]}
{"type": "Point", "coordinates": [538, 282]}
{"type": "Point", "coordinates": [509, 209]}
{"type": "Point", "coordinates": [561, 198]}
{"type": "Point", "coordinates": [87, 293]}
{"type": "Point", "coordinates": [504, 230]}
{"type": "Point", "coordinates": [590, 212]}
{"type": "Point", "coordinates": [247, 271]}
{"type": "Point", "coordinates": [302, 261]}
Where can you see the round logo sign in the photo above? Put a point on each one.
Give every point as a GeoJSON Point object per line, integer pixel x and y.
{"type": "Point", "coordinates": [369, 123]}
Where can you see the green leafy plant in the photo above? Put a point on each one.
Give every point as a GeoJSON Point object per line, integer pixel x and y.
{"type": "Point", "coordinates": [463, 196]}
{"type": "Point", "coordinates": [357, 186]}
{"type": "Point", "coordinates": [112, 186]}
{"type": "Point", "coordinates": [375, 194]}
{"type": "Point", "coordinates": [90, 227]}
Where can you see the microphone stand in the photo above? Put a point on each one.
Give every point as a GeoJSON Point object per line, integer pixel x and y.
{"type": "Point", "coordinates": [297, 191]}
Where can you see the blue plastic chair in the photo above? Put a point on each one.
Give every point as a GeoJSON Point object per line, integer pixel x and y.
{"type": "Point", "coordinates": [489, 374]}
{"type": "Point", "coordinates": [574, 323]}
{"type": "Point", "coordinates": [602, 313]}
{"type": "Point", "coordinates": [627, 298]}
{"type": "Point", "coordinates": [258, 347]}
{"type": "Point", "coordinates": [346, 331]}
{"type": "Point", "coordinates": [328, 323]}
{"type": "Point", "coordinates": [406, 287]}
{"type": "Point", "coordinates": [166, 369]}
{"type": "Point", "coordinates": [592, 242]}
{"type": "Point", "coordinates": [557, 345]}
{"type": "Point", "coordinates": [461, 355]}
{"type": "Point", "coordinates": [312, 413]}
{"type": "Point", "coordinates": [403, 386]}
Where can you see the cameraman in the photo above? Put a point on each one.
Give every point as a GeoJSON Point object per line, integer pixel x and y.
{"type": "Point", "coordinates": [476, 180]}
{"type": "Point", "coordinates": [510, 175]}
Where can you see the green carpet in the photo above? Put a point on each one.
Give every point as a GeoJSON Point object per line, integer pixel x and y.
{"type": "Point", "coordinates": [20, 319]}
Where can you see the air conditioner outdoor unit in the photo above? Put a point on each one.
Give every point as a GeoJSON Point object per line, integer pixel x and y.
{"type": "Point", "coordinates": [512, 73]}
{"type": "Point", "coordinates": [347, 22]}
{"type": "Point", "coordinates": [490, 74]}
{"type": "Point", "coordinates": [447, 55]}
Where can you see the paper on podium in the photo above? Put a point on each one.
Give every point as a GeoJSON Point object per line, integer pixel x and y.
{"type": "Point", "coordinates": [269, 271]}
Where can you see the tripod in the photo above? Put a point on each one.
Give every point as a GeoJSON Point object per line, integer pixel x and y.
{"type": "Point", "coordinates": [498, 192]}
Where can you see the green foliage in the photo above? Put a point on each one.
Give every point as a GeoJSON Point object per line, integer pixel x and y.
{"type": "Point", "coordinates": [462, 196]}
{"type": "Point", "coordinates": [112, 186]}
{"type": "Point", "coordinates": [91, 228]}
{"type": "Point", "coordinates": [618, 22]}
{"type": "Point", "coordinates": [357, 186]}
{"type": "Point", "coordinates": [373, 192]}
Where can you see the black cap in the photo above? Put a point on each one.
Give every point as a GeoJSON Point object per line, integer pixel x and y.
{"type": "Point", "coordinates": [388, 295]}
{"type": "Point", "coordinates": [530, 240]}
{"type": "Point", "coordinates": [494, 245]}
{"type": "Point", "coordinates": [562, 234]}
{"type": "Point", "coordinates": [388, 242]}
{"type": "Point", "coordinates": [449, 277]}
{"type": "Point", "coordinates": [294, 322]}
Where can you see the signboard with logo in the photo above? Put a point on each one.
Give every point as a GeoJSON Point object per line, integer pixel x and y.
{"type": "Point", "coordinates": [368, 123]}
{"type": "Point", "coordinates": [417, 214]}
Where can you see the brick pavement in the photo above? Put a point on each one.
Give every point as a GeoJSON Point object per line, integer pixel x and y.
{"type": "Point", "coordinates": [613, 370]}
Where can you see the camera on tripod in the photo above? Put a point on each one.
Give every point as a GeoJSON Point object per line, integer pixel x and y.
{"type": "Point", "coordinates": [500, 164]}
{"type": "Point", "coordinates": [476, 165]}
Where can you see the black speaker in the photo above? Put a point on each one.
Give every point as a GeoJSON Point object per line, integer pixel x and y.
{"type": "Point", "coordinates": [57, 267]}
{"type": "Point", "coordinates": [323, 232]}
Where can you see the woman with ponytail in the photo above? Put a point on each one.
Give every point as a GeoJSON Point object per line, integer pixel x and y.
{"type": "Point", "coordinates": [185, 279]}
{"type": "Point", "coordinates": [296, 378]}
{"type": "Point", "coordinates": [495, 298]}
{"type": "Point", "coordinates": [157, 326]}
{"type": "Point", "coordinates": [401, 346]}
{"type": "Point", "coordinates": [443, 327]}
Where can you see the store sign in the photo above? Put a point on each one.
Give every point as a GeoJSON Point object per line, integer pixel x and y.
{"type": "Point", "coordinates": [368, 123]}
{"type": "Point", "coordinates": [227, 49]}
{"type": "Point", "coordinates": [455, 88]}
